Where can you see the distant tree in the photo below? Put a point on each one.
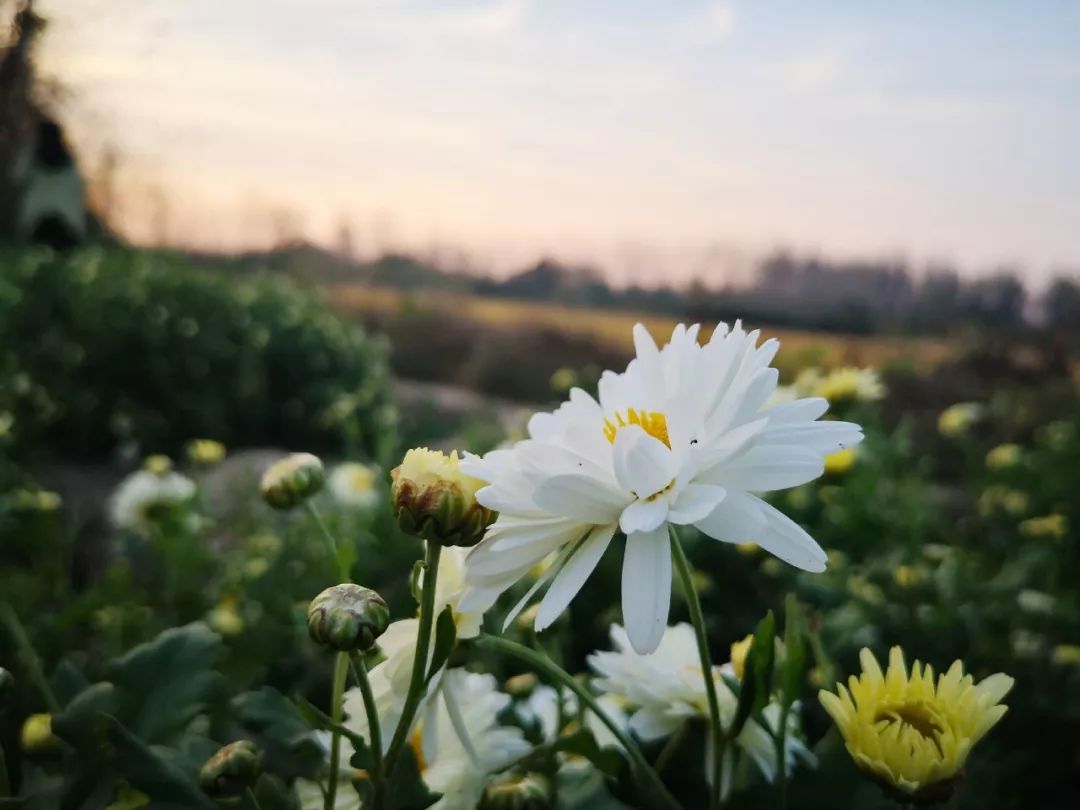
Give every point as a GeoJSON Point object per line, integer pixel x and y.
{"type": "Point", "coordinates": [1061, 304]}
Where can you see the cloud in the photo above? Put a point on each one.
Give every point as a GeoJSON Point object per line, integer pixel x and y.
{"type": "Point", "coordinates": [710, 25]}
{"type": "Point", "coordinates": [815, 71]}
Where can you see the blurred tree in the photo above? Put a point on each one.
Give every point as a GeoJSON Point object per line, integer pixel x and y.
{"type": "Point", "coordinates": [17, 104]}
{"type": "Point", "coordinates": [1061, 305]}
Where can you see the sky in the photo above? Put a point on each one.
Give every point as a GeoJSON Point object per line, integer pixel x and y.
{"type": "Point", "coordinates": [659, 141]}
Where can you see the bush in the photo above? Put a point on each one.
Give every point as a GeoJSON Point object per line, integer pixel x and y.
{"type": "Point", "coordinates": [108, 350]}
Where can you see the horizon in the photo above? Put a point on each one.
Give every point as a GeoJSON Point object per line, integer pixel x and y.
{"type": "Point", "coordinates": [660, 146]}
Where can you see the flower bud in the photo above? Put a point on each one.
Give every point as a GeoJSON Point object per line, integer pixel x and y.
{"type": "Point", "coordinates": [233, 768]}
{"type": "Point", "coordinates": [348, 617]}
{"type": "Point", "coordinates": [530, 791]}
{"type": "Point", "coordinates": [292, 480]}
{"type": "Point", "coordinates": [37, 736]}
{"type": "Point", "coordinates": [522, 685]}
{"type": "Point", "coordinates": [434, 499]}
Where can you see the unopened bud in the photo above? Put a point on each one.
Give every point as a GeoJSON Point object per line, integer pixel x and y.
{"type": "Point", "coordinates": [292, 480]}
{"type": "Point", "coordinates": [231, 770]}
{"type": "Point", "coordinates": [37, 736]}
{"type": "Point", "coordinates": [530, 791]}
{"type": "Point", "coordinates": [434, 499]}
{"type": "Point", "coordinates": [348, 617]}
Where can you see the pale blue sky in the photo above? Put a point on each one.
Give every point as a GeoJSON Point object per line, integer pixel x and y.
{"type": "Point", "coordinates": [657, 139]}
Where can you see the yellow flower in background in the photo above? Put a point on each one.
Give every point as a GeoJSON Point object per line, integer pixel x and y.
{"type": "Point", "coordinates": [840, 462]}
{"type": "Point", "coordinates": [905, 576]}
{"type": "Point", "coordinates": [1004, 456]}
{"type": "Point", "coordinates": [748, 548]}
{"type": "Point", "coordinates": [957, 419]}
{"type": "Point", "coordinates": [1012, 501]}
{"type": "Point", "coordinates": [157, 464]}
{"type": "Point", "coordinates": [1054, 525]}
{"type": "Point", "coordinates": [40, 500]}
{"type": "Point", "coordinates": [225, 618]}
{"type": "Point", "coordinates": [907, 732]}
{"type": "Point", "coordinates": [205, 451]}
{"type": "Point", "coordinates": [739, 651]}
{"type": "Point", "coordinates": [563, 380]}
{"type": "Point", "coordinates": [849, 383]}
{"type": "Point", "coordinates": [1066, 655]}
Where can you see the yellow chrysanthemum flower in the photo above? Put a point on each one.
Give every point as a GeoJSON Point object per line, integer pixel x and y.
{"type": "Point", "coordinates": [1054, 525]}
{"type": "Point", "coordinates": [739, 651]}
{"type": "Point", "coordinates": [1004, 456]}
{"type": "Point", "coordinates": [909, 734]}
{"type": "Point", "coordinates": [848, 383]}
{"type": "Point", "coordinates": [957, 419]}
{"type": "Point", "coordinates": [205, 451]}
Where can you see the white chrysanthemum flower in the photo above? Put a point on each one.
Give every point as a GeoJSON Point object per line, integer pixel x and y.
{"type": "Point", "coordinates": [681, 437]}
{"type": "Point", "coordinates": [667, 688]}
{"type": "Point", "coordinates": [458, 742]}
{"type": "Point", "coordinates": [450, 587]}
{"type": "Point", "coordinates": [141, 494]}
{"type": "Point", "coordinates": [354, 485]}
{"type": "Point", "coordinates": [542, 707]}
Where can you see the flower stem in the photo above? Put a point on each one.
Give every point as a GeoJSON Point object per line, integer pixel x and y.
{"type": "Point", "coordinates": [341, 671]}
{"type": "Point", "coordinates": [372, 712]}
{"type": "Point", "coordinates": [29, 656]}
{"type": "Point", "coordinates": [331, 543]}
{"type": "Point", "coordinates": [697, 618]}
{"type": "Point", "coordinates": [646, 775]}
{"type": "Point", "coordinates": [249, 794]}
{"type": "Point", "coordinates": [420, 659]}
{"type": "Point", "coordinates": [781, 756]}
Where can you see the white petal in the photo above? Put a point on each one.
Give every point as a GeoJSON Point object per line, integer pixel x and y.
{"type": "Point", "coordinates": [695, 502]}
{"type": "Point", "coordinates": [643, 464]}
{"type": "Point", "coordinates": [768, 467]}
{"type": "Point", "coordinates": [643, 516]}
{"type": "Point", "coordinates": [821, 437]}
{"type": "Point", "coordinates": [789, 541]}
{"type": "Point", "coordinates": [646, 588]}
{"type": "Point", "coordinates": [801, 410]}
{"type": "Point", "coordinates": [737, 519]}
{"type": "Point", "coordinates": [581, 497]}
{"type": "Point", "coordinates": [573, 575]}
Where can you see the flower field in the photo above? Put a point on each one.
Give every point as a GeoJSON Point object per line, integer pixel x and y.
{"type": "Point", "coordinates": [730, 573]}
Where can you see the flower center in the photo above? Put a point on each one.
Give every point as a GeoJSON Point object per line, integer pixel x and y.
{"type": "Point", "coordinates": [652, 422]}
{"type": "Point", "coordinates": [912, 715]}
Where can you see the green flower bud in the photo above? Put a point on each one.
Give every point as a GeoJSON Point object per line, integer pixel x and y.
{"type": "Point", "coordinates": [37, 738]}
{"type": "Point", "coordinates": [348, 617]}
{"type": "Point", "coordinates": [530, 791]}
{"type": "Point", "coordinates": [434, 499]}
{"type": "Point", "coordinates": [292, 480]}
{"type": "Point", "coordinates": [233, 768]}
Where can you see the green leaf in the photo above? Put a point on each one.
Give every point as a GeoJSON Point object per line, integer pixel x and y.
{"type": "Point", "coordinates": [80, 724]}
{"type": "Point", "coordinates": [794, 665]}
{"type": "Point", "coordinates": [445, 638]}
{"type": "Point", "coordinates": [406, 789]}
{"type": "Point", "coordinates": [281, 732]}
{"type": "Point", "coordinates": [165, 783]}
{"type": "Point", "coordinates": [757, 674]}
{"type": "Point", "coordinates": [166, 683]}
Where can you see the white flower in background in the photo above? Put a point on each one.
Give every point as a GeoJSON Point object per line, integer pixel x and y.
{"type": "Point", "coordinates": [143, 494]}
{"type": "Point", "coordinates": [542, 707]}
{"type": "Point", "coordinates": [450, 587]}
{"type": "Point", "coordinates": [667, 688]}
{"type": "Point", "coordinates": [681, 437]}
{"type": "Point", "coordinates": [354, 485]}
{"type": "Point", "coordinates": [458, 742]}
{"type": "Point", "coordinates": [466, 745]}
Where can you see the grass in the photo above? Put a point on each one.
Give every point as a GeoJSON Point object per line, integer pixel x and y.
{"type": "Point", "coordinates": [613, 327]}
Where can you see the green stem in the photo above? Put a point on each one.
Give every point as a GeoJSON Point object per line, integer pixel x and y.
{"type": "Point", "coordinates": [646, 775]}
{"type": "Point", "coordinates": [781, 755]}
{"type": "Point", "coordinates": [341, 671]}
{"type": "Point", "coordinates": [697, 618]}
{"type": "Point", "coordinates": [331, 543]}
{"type": "Point", "coordinates": [418, 679]}
{"type": "Point", "coordinates": [250, 795]}
{"type": "Point", "coordinates": [372, 712]}
{"type": "Point", "coordinates": [5, 782]}
{"type": "Point", "coordinates": [669, 749]}
{"type": "Point", "coordinates": [374, 728]}
{"type": "Point", "coordinates": [29, 656]}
